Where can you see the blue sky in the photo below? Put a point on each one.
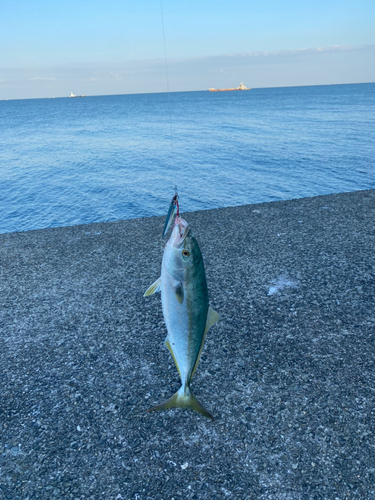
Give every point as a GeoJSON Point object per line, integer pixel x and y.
{"type": "Point", "coordinates": [48, 49]}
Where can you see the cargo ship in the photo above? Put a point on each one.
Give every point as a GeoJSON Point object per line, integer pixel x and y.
{"type": "Point", "coordinates": [240, 87]}
{"type": "Point", "coordinates": [72, 95]}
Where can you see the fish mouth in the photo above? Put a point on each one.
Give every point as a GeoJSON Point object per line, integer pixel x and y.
{"type": "Point", "coordinates": [179, 232]}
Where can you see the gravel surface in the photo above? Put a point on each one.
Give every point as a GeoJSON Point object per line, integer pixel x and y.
{"type": "Point", "coordinates": [288, 372]}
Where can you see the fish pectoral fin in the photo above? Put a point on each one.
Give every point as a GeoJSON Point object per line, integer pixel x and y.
{"type": "Point", "coordinates": [155, 287]}
{"type": "Point", "coordinates": [212, 318]}
{"type": "Point", "coordinates": [168, 344]}
{"type": "Point", "coordinates": [179, 292]}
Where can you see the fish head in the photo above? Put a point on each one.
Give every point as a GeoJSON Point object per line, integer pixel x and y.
{"type": "Point", "coordinates": [182, 252]}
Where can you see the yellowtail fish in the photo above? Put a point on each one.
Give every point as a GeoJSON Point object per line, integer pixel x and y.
{"type": "Point", "coordinates": [187, 313]}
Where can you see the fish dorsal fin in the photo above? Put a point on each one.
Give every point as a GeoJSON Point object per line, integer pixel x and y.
{"type": "Point", "coordinates": [155, 287]}
{"type": "Point", "coordinates": [212, 318]}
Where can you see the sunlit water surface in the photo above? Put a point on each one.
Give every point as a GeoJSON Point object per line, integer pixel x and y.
{"type": "Point", "coordinates": [72, 161]}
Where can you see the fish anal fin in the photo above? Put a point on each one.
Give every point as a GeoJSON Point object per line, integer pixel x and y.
{"type": "Point", "coordinates": [155, 287]}
{"type": "Point", "coordinates": [168, 344]}
{"type": "Point", "coordinates": [212, 318]}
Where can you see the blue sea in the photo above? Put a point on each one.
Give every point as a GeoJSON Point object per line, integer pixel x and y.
{"type": "Point", "coordinates": [73, 161]}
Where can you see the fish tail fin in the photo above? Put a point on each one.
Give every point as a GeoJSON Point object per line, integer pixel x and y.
{"type": "Point", "coordinates": [184, 399]}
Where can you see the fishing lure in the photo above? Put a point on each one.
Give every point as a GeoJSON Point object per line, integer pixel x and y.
{"type": "Point", "coordinates": [173, 210]}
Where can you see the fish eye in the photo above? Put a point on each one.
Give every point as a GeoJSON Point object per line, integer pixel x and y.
{"type": "Point", "coordinates": [185, 253]}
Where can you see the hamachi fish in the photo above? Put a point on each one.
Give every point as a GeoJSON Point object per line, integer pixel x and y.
{"type": "Point", "coordinates": [187, 313]}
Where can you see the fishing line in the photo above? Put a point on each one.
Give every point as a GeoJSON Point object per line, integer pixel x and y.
{"type": "Point", "coordinates": [167, 76]}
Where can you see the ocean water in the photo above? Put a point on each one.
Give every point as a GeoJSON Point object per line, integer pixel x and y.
{"type": "Point", "coordinates": [72, 161]}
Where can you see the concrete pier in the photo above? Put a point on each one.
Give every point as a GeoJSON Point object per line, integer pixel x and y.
{"type": "Point", "coordinates": [288, 372]}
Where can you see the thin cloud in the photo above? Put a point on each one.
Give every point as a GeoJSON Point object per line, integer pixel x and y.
{"type": "Point", "coordinates": [281, 53]}
{"type": "Point", "coordinates": [314, 50]}
{"type": "Point", "coordinates": [43, 78]}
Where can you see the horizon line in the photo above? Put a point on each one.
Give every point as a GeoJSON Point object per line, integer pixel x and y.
{"type": "Point", "coordinates": [183, 91]}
